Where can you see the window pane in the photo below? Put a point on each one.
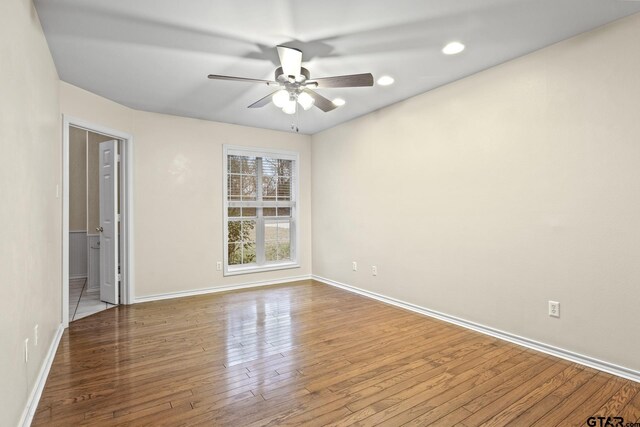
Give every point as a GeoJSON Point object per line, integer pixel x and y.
{"type": "Point", "coordinates": [235, 254]}
{"type": "Point", "coordinates": [284, 252]}
{"type": "Point", "coordinates": [284, 188]}
{"type": "Point", "coordinates": [269, 187]}
{"type": "Point", "coordinates": [285, 167]}
{"type": "Point", "coordinates": [234, 187]}
{"type": "Point", "coordinates": [284, 212]}
{"type": "Point", "coordinates": [269, 166]}
{"type": "Point", "coordinates": [270, 231]}
{"type": "Point", "coordinates": [249, 165]}
{"type": "Point", "coordinates": [249, 253]}
{"type": "Point", "coordinates": [248, 187]}
{"type": "Point", "coordinates": [233, 164]}
{"type": "Point", "coordinates": [277, 240]}
{"type": "Point", "coordinates": [269, 211]}
{"type": "Point", "coordinates": [271, 251]}
{"type": "Point", "coordinates": [249, 231]}
{"type": "Point", "coordinates": [249, 212]}
{"type": "Point", "coordinates": [233, 212]}
{"type": "Point", "coordinates": [235, 234]}
{"type": "Point", "coordinates": [283, 232]}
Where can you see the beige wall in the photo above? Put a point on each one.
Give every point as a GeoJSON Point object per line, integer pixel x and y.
{"type": "Point", "coordinates": [77, 179]}
{"type": "Point", "coordinates": [30, 216]}
{"type": "Point", "coordinates": [178, 192]}
{"type": "Point", "coordinates": [179, 227]}
{"type": "Point", "coordinates": [488, 197]}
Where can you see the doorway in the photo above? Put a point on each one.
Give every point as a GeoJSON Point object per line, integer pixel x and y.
{"type": "Point", "coordinates": [97, 212]}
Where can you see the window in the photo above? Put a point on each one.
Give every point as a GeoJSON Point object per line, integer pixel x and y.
{"type": "Point", "coordinates": [260, 212]}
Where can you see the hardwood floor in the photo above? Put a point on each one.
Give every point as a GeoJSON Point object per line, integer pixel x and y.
{"type": "Point", "coordinates": [308, 353]}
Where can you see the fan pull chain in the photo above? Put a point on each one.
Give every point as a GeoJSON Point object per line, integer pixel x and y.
{"type": "Point", "coordinates": [294, 126]}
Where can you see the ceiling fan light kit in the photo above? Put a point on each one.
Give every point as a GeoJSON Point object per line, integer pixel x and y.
{"type": "Point", "coordinates": [290, 107]}
{"type": "Point", "coordinates": [280, 98]}
{"type": "Point", "coordinates": [295, 84]}
{"type": "Point", "coordinates": [305, 100]}
{"type": "Point", "coordinates": [293, 92]}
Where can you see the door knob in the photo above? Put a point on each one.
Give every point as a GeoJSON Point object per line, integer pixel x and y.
{"type": "Point", "coordinates": [100, 229]}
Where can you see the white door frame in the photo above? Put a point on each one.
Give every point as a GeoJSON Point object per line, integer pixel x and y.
{"type": "Point", "coordinates": [126, 206]}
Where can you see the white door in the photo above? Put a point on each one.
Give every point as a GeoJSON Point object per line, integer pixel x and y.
{"type": "Point", "coordinates": [109, 222]}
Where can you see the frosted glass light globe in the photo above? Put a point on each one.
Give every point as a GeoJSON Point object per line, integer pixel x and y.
{"type": "Point", "coordinates": [280, 98]}
{"type": "Point", "coordinates": [290, 107]}
{"type": "Point", "coordinates": [305, 100]}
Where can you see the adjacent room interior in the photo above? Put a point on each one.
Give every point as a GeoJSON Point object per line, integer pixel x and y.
{"type": "Point", "coordinates": [87, 288]}
{"type": "Point", "coordinates": [293, 213]}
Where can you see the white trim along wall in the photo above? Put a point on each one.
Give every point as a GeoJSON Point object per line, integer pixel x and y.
{"type": "Point", "coordinates": [218, 289]}
{"type": "Point", "coordinates": [34, 397]}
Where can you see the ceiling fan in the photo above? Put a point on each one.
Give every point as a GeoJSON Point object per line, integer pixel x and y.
{"type": "Point", "coordinates": [295, 84]}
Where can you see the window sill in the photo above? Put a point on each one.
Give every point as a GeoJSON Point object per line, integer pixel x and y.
{"type": "Point", "coordinates": [234, 271]}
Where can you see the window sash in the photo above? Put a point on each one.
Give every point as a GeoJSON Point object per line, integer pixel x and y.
{"type": "Point", "coordinates": [260, 204]}
{"type": "Point", "coordinates": [261, 264]}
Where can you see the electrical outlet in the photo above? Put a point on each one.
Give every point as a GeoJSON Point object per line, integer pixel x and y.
{"type": "Point", "coordinates": [35, 335]}
{"type": "Point", "coordinates": [26, 350]}
{"type": "Point", "coordinates": [354, 266]}
{"type": "Point", "coordinates": [374, 270]}
{"type": "Point", "coordinates": [219, 265]}
{"type": "Point", "coordinates": [554, 309]}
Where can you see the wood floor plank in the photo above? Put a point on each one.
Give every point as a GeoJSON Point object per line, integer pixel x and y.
{"type": "Point", "coordinates": [537, 411]}
{"type": "Point", "coordinates": [488, 408]}
{"type": "Point", "coordinates": [631, 411]}
{"type": "Point", "coordinates": [596, 400]}
{"type": "Point", "coordinates": [431, 411]}
{"type": "Point", "coordinates": [306, 353]}
{"type": "Point", "coordinates": [615, 405]}
{"type": "Point", "coordinates": [513, 410]}
{"type": "Point", "coordinates": [573, 401]}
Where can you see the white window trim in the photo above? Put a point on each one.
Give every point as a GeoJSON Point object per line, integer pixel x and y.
{"type": "Point", "coordinates": [295, 232]}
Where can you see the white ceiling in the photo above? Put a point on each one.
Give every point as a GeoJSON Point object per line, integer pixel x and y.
{"type": "Point", "coordinates": [154, 55]}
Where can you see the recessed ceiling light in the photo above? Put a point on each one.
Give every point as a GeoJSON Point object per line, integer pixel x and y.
{"type": "Point", "coordinates": [385, 81]}
{"type": "Point", "coordinates": [453, 48]}
{"type": "Point", "coordinates": [339, 102]}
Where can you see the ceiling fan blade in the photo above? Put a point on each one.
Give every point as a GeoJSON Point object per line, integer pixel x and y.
{"type": "Point", "coordinates": [291, 60]}
{"type": "Point", "coordinates": [353, 80]}
{"type": "Point", "coordinates": [262, 101]}
{"type": "Point", "coordinates": [320, 101]}
{"type": "Point", "coordinates": [242, 79]}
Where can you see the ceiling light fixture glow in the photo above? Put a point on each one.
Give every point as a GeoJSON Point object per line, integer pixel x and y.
{"type": "Point", "coordinates": [305, 100]}
{"type": "Point", "coordinates": [339, 102]}
{"type": "Point", "coordinates": [290, 107]}
{"type": "Point", "coordinates": [280, 98]}
{"type": "Point", "coordinates": [386, 80]}
{"type": "Point", "coordinates": [453, 48]}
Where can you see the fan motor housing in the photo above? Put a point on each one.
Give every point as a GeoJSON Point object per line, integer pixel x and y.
{"type": "Point", "coordinates": [281, 77]}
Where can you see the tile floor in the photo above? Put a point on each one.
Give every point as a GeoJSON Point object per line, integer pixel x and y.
{"type": "Point", "coordinates": [83, 303]}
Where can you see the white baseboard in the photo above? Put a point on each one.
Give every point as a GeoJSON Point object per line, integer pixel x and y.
{"type": "Point", "coordinates": [220, 289]}
{"type": "Point", "coordinates": [571, 356]}
{"type": "Point", "coordinates": [36, 392]}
